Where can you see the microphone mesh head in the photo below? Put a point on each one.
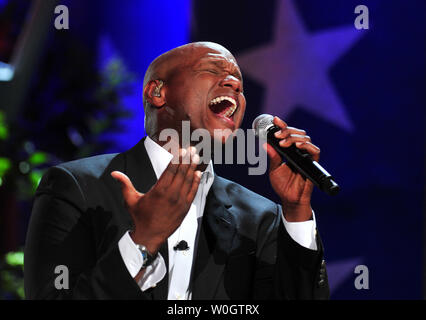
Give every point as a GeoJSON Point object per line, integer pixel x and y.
{"type": "Point", "coordinates": [261, 124]}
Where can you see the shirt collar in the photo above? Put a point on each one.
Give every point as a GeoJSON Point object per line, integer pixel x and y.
{"type": "Point", "coordinates": [160, 159]}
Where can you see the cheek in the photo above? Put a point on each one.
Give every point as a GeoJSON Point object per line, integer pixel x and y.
{"type": "Point", "coordinates": [242, 110]}
{"type": "Point", "coordinates": [195, 106]}
{"type": "Point", "coordinates": [242, 101]}
{"type": "Point", "coordinates": [187, 104]}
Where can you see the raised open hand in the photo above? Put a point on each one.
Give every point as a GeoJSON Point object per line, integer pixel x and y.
{"type": "Point", "coordinates": [159, 212]}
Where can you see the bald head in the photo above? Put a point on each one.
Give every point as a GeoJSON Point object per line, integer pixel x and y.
{"type": "Point", "coordinates": [180, 84]}
{"type": "Point", "coordinates": [164, 65]}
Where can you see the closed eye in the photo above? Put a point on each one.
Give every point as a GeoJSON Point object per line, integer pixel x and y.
{"type": "Point", "coordinates": [212, 71]}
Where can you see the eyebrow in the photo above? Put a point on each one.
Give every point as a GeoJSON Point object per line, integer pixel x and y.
{"type": "Point", "coordinates": [220, 63]}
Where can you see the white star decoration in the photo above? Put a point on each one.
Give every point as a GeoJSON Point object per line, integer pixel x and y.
{"type": "Point", "coordinates": [294, 67]}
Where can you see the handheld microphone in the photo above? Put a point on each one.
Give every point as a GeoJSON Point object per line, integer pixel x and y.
{"type": "Point", "coordinates": [298, 160]}
{"type": "Point", "coordinates": [181, 246]}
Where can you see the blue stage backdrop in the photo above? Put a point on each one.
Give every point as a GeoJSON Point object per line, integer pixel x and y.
{"type": "Point", "coordinates": [360, 96]}
{"type": "Point", "coordinates": [135, 31]}
{"type": "Point", "coordinates": [358, 93]}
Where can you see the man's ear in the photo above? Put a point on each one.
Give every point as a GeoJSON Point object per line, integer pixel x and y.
{"type": "Point", "coordinates": [154, 93]}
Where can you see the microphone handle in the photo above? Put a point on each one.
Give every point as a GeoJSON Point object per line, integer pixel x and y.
{"type": "Point", "coordinates": [301, 161]}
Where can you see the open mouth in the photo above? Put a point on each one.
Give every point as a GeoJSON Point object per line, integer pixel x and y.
{"type": "Point", "coordinates": [223, 106]}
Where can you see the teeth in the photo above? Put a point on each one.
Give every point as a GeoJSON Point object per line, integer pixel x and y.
{"type": "Point", "coordinates": [220, 99]}
{"type": "Point", "coordinates": [229, 111]}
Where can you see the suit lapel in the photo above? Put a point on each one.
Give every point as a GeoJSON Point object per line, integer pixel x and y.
{"type": "Point", "coordinates": [139, 169]}
{"type": "Point", "coordinates": [216, 234]}
{"type": "Point", "coordinates": [214, 243]}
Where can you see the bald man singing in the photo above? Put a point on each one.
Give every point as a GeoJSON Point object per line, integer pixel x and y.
{"type": "Point", "coordinates": [150, 223]}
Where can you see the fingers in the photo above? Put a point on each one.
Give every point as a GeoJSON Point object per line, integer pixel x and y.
{"type": "Point", "coordinates": [274, 158]}
{"type": "Point", "coordinates": [312, 149]}
{"type": "Point", "coordinates": [194, 187]}
{"type": "Point", "coordinates": [181, 180]}
{"type": "Point", "coordinates": [130, 194]}
{"type": "Point", "coordinates": [293, 138]}
{"type": "Point", "coordinates": [302, 142]}
{"type": "Point", "coordinates": [288, 131]}
{"type": "Point", "coordinates": [289, 135]}
{"type": "Point", "coordinates": [279, 123]}
{"type": "Point", "coordinates": [168, 175]}
{"type": "Point", "coordinates": [189, 177]}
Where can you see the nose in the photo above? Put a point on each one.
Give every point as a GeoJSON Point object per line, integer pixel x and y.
{"type": "Point", "coordinates": [232, 82]}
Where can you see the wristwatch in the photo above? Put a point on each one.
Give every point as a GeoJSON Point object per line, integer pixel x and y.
{"type": "Point", "coordinates": [147, 257]}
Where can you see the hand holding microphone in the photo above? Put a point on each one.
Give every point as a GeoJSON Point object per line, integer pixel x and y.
{"type": "Point", "coordinates": [293, 181]}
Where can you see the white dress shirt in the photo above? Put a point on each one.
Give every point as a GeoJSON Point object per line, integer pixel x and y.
{"type": "Point", "coordinates": [180, 262]}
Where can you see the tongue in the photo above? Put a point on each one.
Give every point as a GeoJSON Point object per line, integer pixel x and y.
{"type": "Point", "coordinates": [221, 106]}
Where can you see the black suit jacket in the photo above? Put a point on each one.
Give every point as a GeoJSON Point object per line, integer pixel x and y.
{"type": "Point", "coordinates": [243, 252]}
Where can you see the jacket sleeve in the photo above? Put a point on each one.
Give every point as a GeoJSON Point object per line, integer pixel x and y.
{"type": "Point", "coordinates": [286, 270]}
{"type": "Point", "coordinates": [60, 234]}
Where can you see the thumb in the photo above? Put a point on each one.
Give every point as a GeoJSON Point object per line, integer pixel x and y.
{"type": "Point", "coordinates": [130, 194]}
{"type": "Point", "coordinates": [275, 158]}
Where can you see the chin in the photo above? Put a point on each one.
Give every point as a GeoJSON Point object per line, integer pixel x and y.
{"type": "Point", "coordinates": [226, 134]}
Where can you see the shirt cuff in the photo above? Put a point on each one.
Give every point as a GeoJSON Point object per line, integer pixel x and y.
{"type": "Point", "coordinates": [132, 258]}
{"type": "Point", "coordinates": [304, 233]}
